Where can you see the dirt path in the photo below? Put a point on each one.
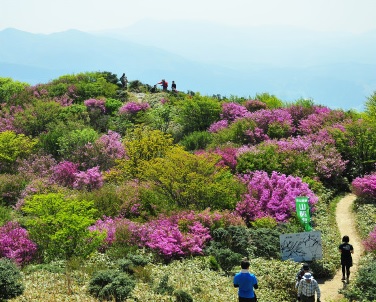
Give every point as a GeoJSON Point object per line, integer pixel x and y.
{"type": "Point", "coordinates": [346, 224]}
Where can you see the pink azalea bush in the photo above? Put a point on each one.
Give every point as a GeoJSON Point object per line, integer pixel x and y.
{"type": "Point", "coordinates": [95, 104]}
{"type": "Point", "coordinates": [64, 173]}
{"type": "Point", "coordinates": [370, 242]}
{"type": "Point", "coordinates": [90, 179]}
{"type": "Point", "coordinates": [364, 187]}
{"type": "Point", "coordinates": [271, 196]}
{"type": "Point", "coordinates": [233, 111]}
{"type": "Point", "coordinates": [15, 243]}
{"type": "Point", "coordinates": [180, 235]}
{"type": "Point", "coordinates": [133, 108]}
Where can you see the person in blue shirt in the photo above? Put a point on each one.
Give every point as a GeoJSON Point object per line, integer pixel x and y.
{"type": "Point", "coordinates": [246, 282]}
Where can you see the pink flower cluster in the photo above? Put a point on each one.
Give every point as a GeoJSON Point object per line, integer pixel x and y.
{"type": "Point", "coordinates": [90, 179]}
{"type": "Point", "coordinates": [133, 108]}
{"type": "Point", "coordinates": [67, 174]}
{"type": "Point", "coordinates": [111, 145]}
{"type": "Point", "coordinates": [370, 242]}
{"type": "Point", "coordinates": [364, 186]}
{"type": "Point", "coordinates": [233, 111]}
{"type": "Point", "coordinates": [15, 243]}
{"type": "Point", "coordinates": [94, 104]}
{"type": "Point", "coordinates": [271, 196]}
{"type": "Point", "coordinates": [215, 127]}
{"type": "Point", "coordinates": [177, 236]}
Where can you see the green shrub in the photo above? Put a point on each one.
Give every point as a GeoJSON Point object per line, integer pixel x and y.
{"type": "Point", "coordinates": [265, 243]}
{"type": "Point", "coordinates": [226, 258]}
{"type": "Point", "coordinates": [236, 238]}
{"type": "Point", "coordinates": [182, 296]}
{"type": "Point", "coordinates": [10, 280]}
{"type": "Point", "coordinates": [112, 106]}
{"type": "Point", "coordinates": [110, 284]}
{"type": "Point", "coordinates": [5, 214]}
{"type": "Point", "coordinates": [364, 288]}
{"type": "Point", "coordinates": [163, 286]}
{"type": "Point", "coordinates": [196, 140]}
{"type": "Point", "coordinates": [10, 188]}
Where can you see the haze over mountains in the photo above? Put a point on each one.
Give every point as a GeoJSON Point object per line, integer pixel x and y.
{"type": "Point", "coordinates": [334, 69]}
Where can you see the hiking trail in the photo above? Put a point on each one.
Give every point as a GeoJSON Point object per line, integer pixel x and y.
{"type": "Point", "coordinates": [346, 225]}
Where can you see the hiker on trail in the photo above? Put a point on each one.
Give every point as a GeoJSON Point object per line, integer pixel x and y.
{"type": "Point", "coordinates": [164, 84]}
{"type": "Point", "coordinates": [346, 250]}
{"type": "Point", "coordinates": [300, 274]}
{"type": "Point", "coordinates": [246, 282]}
{"type": "Point", "coordinates": [124, 81]}
{"type": "Point", "coordinates": [154, 89]}
{"type": "Point", "coordinates": [307, 288]}
{"type": "Point", "coordinates": [173, 86]}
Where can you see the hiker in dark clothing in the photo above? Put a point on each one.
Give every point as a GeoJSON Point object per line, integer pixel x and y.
{"type": "Point", "coordinates": [164, 84]}
{"type": "Point", "coordinates": [346, 250]}
{"type": "Point", "coordinates": [124, 81]}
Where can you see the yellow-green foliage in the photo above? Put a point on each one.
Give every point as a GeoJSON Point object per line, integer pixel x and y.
{"type": "Point", "coordinates": [193, 181]}
{"type": "Point", "coordinates": [143, 144]}
{"type": "Point", "coordinates": [59, 226]}
{"type": "Point", "coordinates": [14, 146]}
{"type": "Point", "coordinates": [9, 88]}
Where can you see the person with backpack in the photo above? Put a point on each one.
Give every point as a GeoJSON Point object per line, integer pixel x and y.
{"type": "Point", "coordinates": [246, 282]}
{"type": "Point", "coordinates": [304, 269]}
{"type": "Point", "coordinates": [164, 84]}
{"type": "Point", "coordinates": [346, 250]}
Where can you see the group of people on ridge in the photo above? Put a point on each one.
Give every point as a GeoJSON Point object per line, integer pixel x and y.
{"type": "Point", "coordinates": [164, 85]}
{"type": "Point", "coordinates": [306, 284]}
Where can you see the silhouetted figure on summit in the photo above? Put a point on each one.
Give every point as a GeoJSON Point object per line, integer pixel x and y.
{"type": "Point", "coordinates": [173, 86]}
{"type": "Point", "coordinates": [124, 81]}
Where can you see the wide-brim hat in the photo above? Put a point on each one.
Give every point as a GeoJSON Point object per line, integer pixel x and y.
{"type": "Point", "coordinates": [308, 276]}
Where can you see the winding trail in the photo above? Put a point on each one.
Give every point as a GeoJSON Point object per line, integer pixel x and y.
{"type": "Point", "coordinates": [346, 225]}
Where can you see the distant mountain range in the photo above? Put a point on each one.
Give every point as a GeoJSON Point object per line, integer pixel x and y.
{"type": "Point", "coordinates": [336, 70]}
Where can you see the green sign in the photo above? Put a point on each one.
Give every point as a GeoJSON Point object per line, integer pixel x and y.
{"type": "Point", "coordinates": [302, 211]}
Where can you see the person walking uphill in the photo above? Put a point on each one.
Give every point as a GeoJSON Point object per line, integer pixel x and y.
{"type": "Point", "coordinates": [246, 282]}
{"type": "Point", "coordinates": [346, 250]}
{"type": "Point", "coordinates": [307, 288]}
{"type": "Point", "coordinates": [300, 274]}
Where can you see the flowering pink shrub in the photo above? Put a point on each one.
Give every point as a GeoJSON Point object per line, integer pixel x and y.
{"type": "Point", "coordinates": [322, 117]}
{"type": "Point", "coordinates": [370, 242]}
{"type": "Point", "coordinates": [364, 187]}
{"type": "Point", "coordinates": [111, 145]}
{"type": "Point", "coordinates": [254, 105]}
{"type": "Point", "coordinates": [215, 127]}
{"type": "Point", "coordinates": [15, 243]}
{"type": "Point", "coordinates": [272, 196]}
{"type": "Point", "coordinates": [268, 119]}
{"type": "Point", "coordinates": [37, 166]}
{"type": "Point", "coordinates": [133, 108]}
{"type": "Point", "coordinates": [95, 104]}
{"type": "Point", "coordinates": [233, 111]}
{"type": "Point", "coordinates": [7, 117]}
{"type": "Point", "coordinates": [90, 179]}
{"type": "Point", "coordinates": [228, 155]}
{"type": "Point", "coordinates": [64, 173]}
{"type": "Point", "coordinates": [180, 235]}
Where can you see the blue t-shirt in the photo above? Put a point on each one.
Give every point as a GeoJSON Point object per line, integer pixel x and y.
{"type": "Point", "coordinates": [246, 281]}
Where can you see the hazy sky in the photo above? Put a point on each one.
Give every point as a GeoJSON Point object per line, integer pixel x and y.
{"type": "Point", "coordinates": [47, 16]}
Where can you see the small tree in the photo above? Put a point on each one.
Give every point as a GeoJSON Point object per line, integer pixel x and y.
{"type": "Point", "coordinates": [60, 227]}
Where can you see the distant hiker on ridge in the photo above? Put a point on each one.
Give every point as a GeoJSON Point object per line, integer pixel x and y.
{"type": "Point", "coordinates": [173, 86]}
{"type": "Point", "coordinates": [124, 81]}
{"type": "Point", "coordinates": [164, 84]}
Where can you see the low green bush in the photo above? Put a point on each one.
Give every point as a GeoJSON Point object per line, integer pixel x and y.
{"type": "Point", "coordinates": [111, 284]}
{"type": "Point", "coordinates": [11, 285]}
{"type": "Point", "coordinates": [364, 287]}
{"type": "Point", "coordinates": [182, 296]}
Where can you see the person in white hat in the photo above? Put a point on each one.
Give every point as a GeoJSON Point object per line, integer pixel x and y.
{"type": "Point", "coordinates": [307, 288]}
